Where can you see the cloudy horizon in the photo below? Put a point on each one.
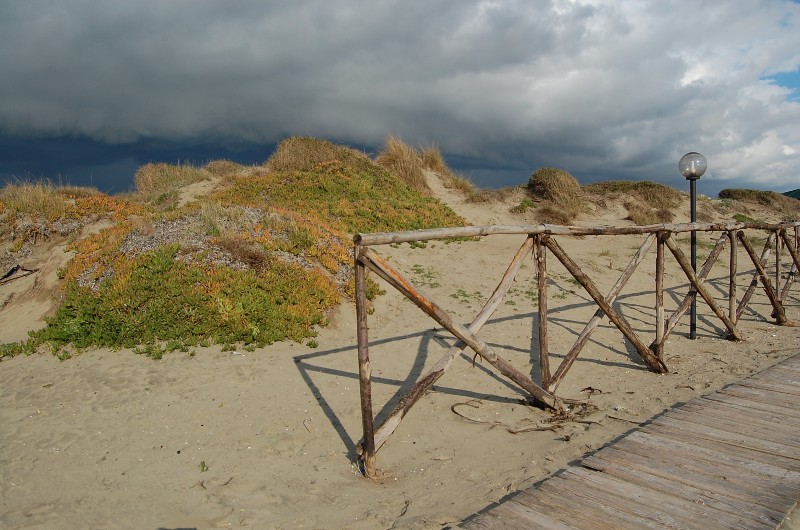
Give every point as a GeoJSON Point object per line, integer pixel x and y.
{"type": "Point", "coordinates": [603, 89]}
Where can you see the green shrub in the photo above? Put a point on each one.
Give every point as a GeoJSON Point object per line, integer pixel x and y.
{"type": "Point", "coordinates": [163, 298]}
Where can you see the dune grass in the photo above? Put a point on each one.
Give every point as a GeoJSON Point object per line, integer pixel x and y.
{"type": "Point", "coordinates": [406, 162]}
{"type": "Point", "coordinates": [262, 258]}
{"type": "Point", "coordinates": [646, 202]}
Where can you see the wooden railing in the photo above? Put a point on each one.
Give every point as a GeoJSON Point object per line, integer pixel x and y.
{"type": "Point", "coordinates": [540, 239]}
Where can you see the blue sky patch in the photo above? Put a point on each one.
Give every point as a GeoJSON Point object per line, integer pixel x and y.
{"type": "Point", "coordinates": [790, 80]}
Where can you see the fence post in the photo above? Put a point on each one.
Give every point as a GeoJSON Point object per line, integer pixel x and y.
{"type": "Point", "coordinates": [732, 279]}
{"type": "Point", "coordinates": [660, 320]}
{"type": "Point", "coordinates": [367, 450]}
{"type": "Point", "coordinates": [541, 280]}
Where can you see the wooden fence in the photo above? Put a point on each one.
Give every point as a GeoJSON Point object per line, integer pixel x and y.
{"type": "Point", "coordinates": [539, 240]}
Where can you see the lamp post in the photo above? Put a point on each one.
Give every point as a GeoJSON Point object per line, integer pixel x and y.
{"type": "Point", "coordinates": [692, 166]}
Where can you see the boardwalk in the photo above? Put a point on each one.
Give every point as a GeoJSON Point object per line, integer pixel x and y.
{"type": "Point", "coordinates": [727, 460]}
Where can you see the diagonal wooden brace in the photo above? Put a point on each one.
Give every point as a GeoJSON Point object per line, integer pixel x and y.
{"type": "Point", "coordinates": [622, 324]}
{"type": "Point", "coordinates": [569, 359]}
{"type": "Point", "coordinates": [399, 282]}
{"type": "Point", "coordinates": [705, 270]}
{"type": "Point", "coordinates": [780, 314]}
{"type": "Point", "coordinates": [754, 282]}
{"type": "Point", "coordinates": [700, 288]}
{"type": "Point", "coordinates": [394, 418]}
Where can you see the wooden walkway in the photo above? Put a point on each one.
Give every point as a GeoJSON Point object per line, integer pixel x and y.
{"type": "Point", "coordinates": [727, 460]}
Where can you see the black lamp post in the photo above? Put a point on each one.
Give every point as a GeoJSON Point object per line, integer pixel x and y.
{"type": "Point", "coordinates": [692, 166]}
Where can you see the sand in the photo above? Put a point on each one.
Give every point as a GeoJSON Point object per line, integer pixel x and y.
{"type": "Point", "coordinates": [265, 439]}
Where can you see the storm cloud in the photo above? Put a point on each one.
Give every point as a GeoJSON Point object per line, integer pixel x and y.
{"type": "Point", "coordinates": [604, 89]}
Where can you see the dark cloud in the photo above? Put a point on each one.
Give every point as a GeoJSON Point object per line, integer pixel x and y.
{"type": "Point", "coordinates": [605, 89]}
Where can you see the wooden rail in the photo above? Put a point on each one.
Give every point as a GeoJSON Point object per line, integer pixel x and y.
{"type": "Point", "coordinates": [539, 240]}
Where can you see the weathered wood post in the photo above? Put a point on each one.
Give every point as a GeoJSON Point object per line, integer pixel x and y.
{"type": "Point", "coordinates": [367, 449]}
{"type": "Point", "coordinates": [795, 261]}
{"type": "Point", "coordinates": [382, 268]}
{"type": "Point", "coordinates": [541, 281]}
{"type": "Point", "coordinates": [778, 243]}
{"type": "Point", "coordinates": [658, 343]}
{"type": "Point", "coordinates": [732, 278]}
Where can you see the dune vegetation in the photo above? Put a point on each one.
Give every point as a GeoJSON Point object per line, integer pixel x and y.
{"type": "Point", "coordinates": [259, 257]}
{"type": "Point", "coordinates": [250, 255]}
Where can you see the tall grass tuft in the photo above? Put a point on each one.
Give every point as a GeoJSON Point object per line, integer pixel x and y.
{"type": "Point", "coordinates": [306, 154]}
{"type": "Point", "coordinates": [772, 199]}
{"type": "Point", "coordinates": [560, 190]}
{"type": "Point", "coordinates": [405, 162]}
{"type": "Point", "coordinates": [223, 168]}
{"type": "Point", "coordinates": [646, 202]}
{"type": "Point", "coordinates": [154, 179]}
{"type": "Point", "coordinates": [36, 199]}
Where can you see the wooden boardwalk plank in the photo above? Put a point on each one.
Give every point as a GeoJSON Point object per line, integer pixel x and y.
{"type": "Point", "coordinates": [691, 492]}
{"type": "Point", "coordinates": [760, 395]}
{"type": "Point", "coordinates": [692, 467]}
{"type": "Point", "coordinates": [659, 506]}
{"type": "Point", "coordinates": [727, 460]}
{"type": "Point", "coordinates": [737, 424]}
{"type": "Point", "coordinates": [792, 390]}
{"type": "Point", "coordinates": [612, 457]}
{"type": "Point", "coordinates": [791, 414]}
{"type": "Point", "coordinates": [717, 456]}
{"type": "Point", "coordinates": [723, 436]}
{"type": "Point", "coordinates": [528, 517]}
{"type": "Point", "coordinates": [769, 463]}
{"type": "Point", "coordinates": [568, 500]}
{"type": "Point", "coordinates": [774, 416]}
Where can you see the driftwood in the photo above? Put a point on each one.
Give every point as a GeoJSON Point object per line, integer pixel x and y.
{"type": "Point", "coordinates": [658, 343]}
{"type": "Point", "coordinates": [732, 277]}
{"type": "Point", "coordinates": [384, 238]}
{"type": "Point", "coordinates": [12, 275]}
{"type": "Point", "coordinates": [795, 261]}
{"type": "Point", "coordinates": [705, 270]}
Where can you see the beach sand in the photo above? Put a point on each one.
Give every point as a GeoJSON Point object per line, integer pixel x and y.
{"type": "Point", "coordinates": [266, 439]}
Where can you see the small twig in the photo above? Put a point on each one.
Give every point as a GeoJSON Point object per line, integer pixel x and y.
{"type": "Point", "coordinates": [622, 419]}
{"type": "Point", "coordinates": [472, 403]}
{"type": "Point", "coordinates": [551, 427]}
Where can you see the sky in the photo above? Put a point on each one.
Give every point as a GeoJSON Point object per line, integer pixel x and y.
{"type": "Point", "coordinates": [605, 89]}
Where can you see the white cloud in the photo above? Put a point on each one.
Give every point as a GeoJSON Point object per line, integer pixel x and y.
{"type": "Point", "coordinates": [602, 88]}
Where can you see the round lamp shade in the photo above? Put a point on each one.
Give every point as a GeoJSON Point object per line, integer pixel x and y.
{"type": "Point", "coordinates": [692, 165]}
